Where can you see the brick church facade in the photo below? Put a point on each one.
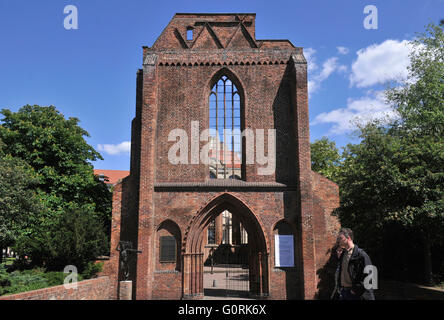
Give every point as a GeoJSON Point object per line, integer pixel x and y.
{"type": "Point", "coordinates": [209, 71]}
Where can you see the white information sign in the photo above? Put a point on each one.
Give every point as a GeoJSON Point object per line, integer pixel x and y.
{"type": "Point", "coordinates": [284, 251]}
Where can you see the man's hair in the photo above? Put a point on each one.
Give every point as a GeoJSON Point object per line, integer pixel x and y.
{"type": "Point", "coordinates": [346, 232]}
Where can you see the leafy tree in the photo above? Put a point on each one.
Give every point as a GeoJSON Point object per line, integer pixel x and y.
{"type": "Point", "coordinates": [55, 147]}
{"type": "Point", "coordinates": [369, 189]}
{"type": "Point", "coordinates": [395, 175]}
{"type": "Point", "coordinates": [75, 239]}
{"type": "Point", "coordinates": [57, 151]}
{"type": "Point", "coordinates": [325, 158]}
{"type": "Point", "coordinates": [17, 198]}
{"type": "Point", "coordinates": [420, 103]}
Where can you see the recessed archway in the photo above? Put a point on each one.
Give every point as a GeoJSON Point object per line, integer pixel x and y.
{"type": "Point", "coordinates": [193, 246]}
{"type": "Point", "coordinates": [226, 258]}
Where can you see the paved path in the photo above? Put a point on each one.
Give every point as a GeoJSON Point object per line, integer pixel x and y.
{"type": "Point", "coordinates": [222, 286]}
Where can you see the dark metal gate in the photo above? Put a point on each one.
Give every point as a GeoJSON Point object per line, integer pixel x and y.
{"type": "Point", "coordinates": [237, 274]}
{"type": "Point", "coordinates": [227, 271]}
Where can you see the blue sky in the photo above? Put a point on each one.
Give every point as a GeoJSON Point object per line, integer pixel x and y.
{"type": "Point", "coordinates": [90, 73]}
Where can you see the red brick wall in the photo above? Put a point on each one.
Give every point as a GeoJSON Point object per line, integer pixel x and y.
{"type": "Point", "coordinates": [124, 227]}
{"type": "Point", "coordinates": [93, 289]}
{"type": "Point", "coordinates": [326, 226]}
{"type": "Point", "coordinates": [173, 90]}
{"type": "Point", "coordinates": [183, 95]}
{"type": "Point", "coordinates": [167, 285]}
{"type": "Point", "coordinates": [268, 207]}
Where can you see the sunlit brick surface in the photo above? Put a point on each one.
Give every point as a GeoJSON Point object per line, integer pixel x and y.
{"type": "Point", "coordinates": [160, 198]}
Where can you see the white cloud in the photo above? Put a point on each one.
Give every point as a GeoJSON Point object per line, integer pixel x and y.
{"type": "Point", "coordinates": [311, 60]}
{"type": "Point", "coordinates": [312, 86]}
{"type": "Point", "coordinates": [328, 67]}
{"type": "Point", "coordinates": [343, 50]}
{"type": "Point", "coordinates": [342, 69]}
{"type": "Point", "coordinates": [358, 111]}
{"type": "Point", "coordinates": [380, 63]}
{"type": "Point", "coordinates": [115, 149]}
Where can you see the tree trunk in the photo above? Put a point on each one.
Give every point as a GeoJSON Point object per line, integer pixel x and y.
{"type": "Point", "coordinates": [427, 260]}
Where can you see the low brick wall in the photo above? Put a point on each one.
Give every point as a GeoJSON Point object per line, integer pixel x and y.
{"type": "Point", "coordinates": [93, 289]}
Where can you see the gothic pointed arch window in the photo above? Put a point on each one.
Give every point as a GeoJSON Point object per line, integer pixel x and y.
{"type": "Point", "coordinates": [225, 130]}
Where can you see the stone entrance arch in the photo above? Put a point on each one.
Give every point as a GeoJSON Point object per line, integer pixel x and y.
{"type": "Point", "coordinates": [193, 243]}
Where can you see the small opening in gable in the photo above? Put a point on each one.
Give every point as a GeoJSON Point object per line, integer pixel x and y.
{"type": "Point", "coordinates": [189, 33]}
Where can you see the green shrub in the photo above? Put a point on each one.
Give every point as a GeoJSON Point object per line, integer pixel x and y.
{"type": "Point", "coordinates": [76, 238]}
{"type": "Point", "coordinates": [54, 278]}
{"type": "Point", "coordinates": [21, 281]}
{"type": "Point", "coordinates": [4, 279]}
{"type": "Point", "coordinates": [27, 280]}
{"type": "Point", "coordinates": [92, 269]}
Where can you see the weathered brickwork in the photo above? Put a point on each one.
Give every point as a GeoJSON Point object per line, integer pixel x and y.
{"type": "Point", "coordinates": [101, 288]}
{"type": "Point", "coordinates": [160, 198]}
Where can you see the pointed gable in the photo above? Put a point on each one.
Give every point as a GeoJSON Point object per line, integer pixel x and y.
{"type": "Point", "coordinates": [210, 31]}
{"type": "Point", "coordinates": [241, 39]}
{"type": "Point", "coordinates": [206, 39]}
{"type": "Point", "coordinates": [225, 31]}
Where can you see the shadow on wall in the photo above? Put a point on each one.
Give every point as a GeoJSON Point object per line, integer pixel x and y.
{"type": "Point", "coordinates": [129, 226]}
{"type": "Point", "coordinates": [293, 283]}
{"type": "Point", "coordinates": [283, 113]}
{"type": "Point", "coordinates": [228, 254]}
{"type": "Point", "coordinates": [326, 276]}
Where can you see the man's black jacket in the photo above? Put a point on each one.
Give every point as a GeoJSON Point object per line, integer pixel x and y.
{"type": "Point", "coordinates": [358, 260]}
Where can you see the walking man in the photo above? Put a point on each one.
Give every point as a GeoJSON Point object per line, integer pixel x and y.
{"type": "Point", "coordinates": [350, 274]}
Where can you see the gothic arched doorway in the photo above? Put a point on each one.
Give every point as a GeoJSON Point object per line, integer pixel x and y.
{"type": "Point", "coordinates": [242, 260]}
